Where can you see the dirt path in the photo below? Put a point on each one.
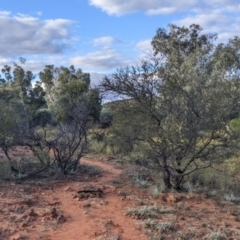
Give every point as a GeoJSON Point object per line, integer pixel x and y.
{"type": "Point", "coordinates": [95, 218]}
{"type": "Point", "coordinates": [109, 171]}
{"type": "Point", "coordinates": [55, 210]}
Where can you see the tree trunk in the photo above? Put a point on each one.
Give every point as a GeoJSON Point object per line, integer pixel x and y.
{"type": "Point", "coordinates": [177, 179]}
{"type": "Point", "coordinates": [167, 178]}
{"type": "Point", "coordinates": [172, 179]}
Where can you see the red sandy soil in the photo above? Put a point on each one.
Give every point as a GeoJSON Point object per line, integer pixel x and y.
{"type": "Point", "coordinates": [50, 210]}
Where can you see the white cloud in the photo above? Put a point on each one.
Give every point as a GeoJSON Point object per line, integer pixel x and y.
{"type": "Point", "coordinates": [215, 16]}
{"type": "Point", "coordinates": [157, 7]}
{"type": "Point", "coordinates": [103, 59]}
{"type": "Point", "coordinates": [163, 10]}
{"type": "Point", "coordinates": [105, 41]}
{"type": "Point", "coordinates": [34, 65]}
{"type": "Point", "coordinates": [5, 61]}
{"type": "Point", "coordinates": [144, 45]}
{"type": "Point", "coordinates": [4, 13]}
{"type": "Point", "coordinates": [22, 34]}
{"type": "Point", "coordinates": [39, 13]}
{"type": "Point", "coordinates": [120, 7]}
{"type": "Point", "coordinates": [144, 48]}
{"type": "Point", "coordinates": [219, 20]}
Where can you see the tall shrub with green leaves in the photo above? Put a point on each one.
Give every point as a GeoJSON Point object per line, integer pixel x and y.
{"type": "Point", "coordinates": [64, 86]}
{"type": "Point", "coordinates": [182, 98]}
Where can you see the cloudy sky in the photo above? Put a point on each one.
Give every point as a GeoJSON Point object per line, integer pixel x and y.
{"type": "Point", "coordinates": [101, 35]}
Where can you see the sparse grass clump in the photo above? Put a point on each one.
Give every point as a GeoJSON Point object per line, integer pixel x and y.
{"type": "Point", "coordinates": [216, 236]}
{"type": "Point", "coordinates": [154, 192]}
{"type": "Point", "coordinates": [182, 236]}
{"type": "Point", "coordinates": [144, 212]}
{"type": "Point", "coordinates": [161, 227]}
{"type": "Point", "coordinates": [237, 218]}
{"type": "Point", "coordinates": [166, 210]}
{"type": "Point", "coordinates": [139, 179]}
{"type": "Point", "coordinates": [232, 198]}
{"type": "Point", "coordinates": [143, 177]}
{"type": "Point", "coordinates": [236, 213]}
{"type": "Point", "coordinates": [148, 212]}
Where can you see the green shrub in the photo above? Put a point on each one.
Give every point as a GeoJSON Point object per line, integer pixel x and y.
{"type": "Point", "coordinates": [235, 124]}
{"type": "Point", "coordinates": [211, 179]}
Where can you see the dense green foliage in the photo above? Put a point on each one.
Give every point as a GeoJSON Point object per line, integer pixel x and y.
{"type": "Point", "coordinates": [180, 102]}
{"type": "Point", "coordinates": [50, 116]}
{"type": "Point", "coordinates": [179, 111]}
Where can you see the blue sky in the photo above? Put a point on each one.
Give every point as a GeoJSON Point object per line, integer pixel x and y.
{"type": "Point", "coordinates": [101, 35]}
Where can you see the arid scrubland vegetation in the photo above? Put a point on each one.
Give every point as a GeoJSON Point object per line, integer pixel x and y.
{"type": "Point", "coordinates": [172, 145]}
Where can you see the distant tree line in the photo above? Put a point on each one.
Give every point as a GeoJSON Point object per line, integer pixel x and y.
{"type": "Point", "coordinates": [51, 115]}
